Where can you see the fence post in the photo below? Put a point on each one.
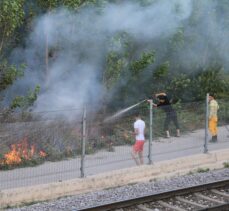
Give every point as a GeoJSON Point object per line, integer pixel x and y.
{"type": "Point", "coordinates": [83, 142]}
{"type": "Point", "coordinates": [206, 125]}
{"type": "Point", "coordinates": [150, 131]}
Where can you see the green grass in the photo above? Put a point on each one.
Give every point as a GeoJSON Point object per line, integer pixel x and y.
{"type": "Point", "coordinates": [199, 170]}
{"type": "Point", "coordinates": [203, 170]}
{"type": "Point", "coordinates": [226, 164]}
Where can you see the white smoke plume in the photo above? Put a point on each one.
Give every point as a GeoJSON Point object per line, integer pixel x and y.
{"type": "Point", "coordinates": [78, 44]}
{"type": "Point", "coordinates": [206, 37]}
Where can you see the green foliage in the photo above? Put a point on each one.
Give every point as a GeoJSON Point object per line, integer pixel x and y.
{"type": "Point", "coordinates": [115, 64]}
{"type": "Point", "coordinates": [199, 170]}
{"type": "Point", "coordinates": [226, 164]}
{"type": "Point", "coordinates": [161, 72]}
{"type": "Point", "coordinates": [160, 77]}
{"type": "Point", "coordinates": [145, 2]}
{"type": "Point", "coordinates": [121, 68]}
{"type": "Point", "coordinates": [146, 59]}
{"type": "Point", "coordinates": [177, 40]}
{"type": "Point", "coordinates": [116, 60]}
{"type": "Point", "coordinates": [11, 17]}
{"type": "Point", "coordinates": [70, 4]}
{"type": "Point", "coordinates": [48, 4]}
{"type": "Point", "coordinates": [9, 73]}
{"type": "Point", "coordinates": [121, 43]}
{"type": "Point", "coordinates": [210, 80]}
{"type": "Point", "coordinates": [75, 4]}
{"type": "Point", "coordinates": [25, 102]}
{"type": "Point", "coordinates": [179, 86]}
{"type": "Point", "coordinates": [202, 170]}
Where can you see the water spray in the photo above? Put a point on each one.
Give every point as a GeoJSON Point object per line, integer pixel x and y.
{"type": "Point", "coordinates": [118, 114]}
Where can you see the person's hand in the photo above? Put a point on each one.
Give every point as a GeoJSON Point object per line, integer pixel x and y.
{"type": "Point", "coordinates": [154, 105]}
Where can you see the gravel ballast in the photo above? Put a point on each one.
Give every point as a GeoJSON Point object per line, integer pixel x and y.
{"type": "Point", "coordinates": [91, 199]}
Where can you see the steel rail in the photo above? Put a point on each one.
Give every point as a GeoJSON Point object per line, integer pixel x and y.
{"type": "Point", "coordinates": [164, 195]}
{"type": "Point", "coordinates": [222, 207]}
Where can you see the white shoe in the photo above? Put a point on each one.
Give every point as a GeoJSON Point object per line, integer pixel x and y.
{"type": "Point", "coordinates": [178, 133]}
{"type": "Point", "coordinates": [167, 134]}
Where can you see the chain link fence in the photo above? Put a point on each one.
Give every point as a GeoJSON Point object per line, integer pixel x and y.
{"type": "Point", "coordinates": [44, 147]}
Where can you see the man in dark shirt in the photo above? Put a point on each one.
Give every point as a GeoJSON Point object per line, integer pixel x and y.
{"type": "Point", "coordinates": [171, 115]}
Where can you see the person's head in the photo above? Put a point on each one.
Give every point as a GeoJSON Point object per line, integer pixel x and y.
{"type": "Point", "coordinates": [211, 96]}
{"type": "Point", "coordinates": [137, 115]}
{"type": "Point", "coordinates": [161, 100]}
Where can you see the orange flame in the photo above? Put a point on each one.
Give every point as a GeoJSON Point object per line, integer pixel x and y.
{"type": "Point", "coordinates": [20, 152]}
{"type": "Point", "coordinates": [32, 150]}
{"type": "Point", "coordinates": [13, 157]}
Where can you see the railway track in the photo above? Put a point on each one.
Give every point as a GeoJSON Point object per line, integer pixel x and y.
{"type": "Point", "coordinates": [205, 197]}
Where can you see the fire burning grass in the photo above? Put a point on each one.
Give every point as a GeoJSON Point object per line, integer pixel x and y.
{"type": "Point", "coordinates": [21, 154]}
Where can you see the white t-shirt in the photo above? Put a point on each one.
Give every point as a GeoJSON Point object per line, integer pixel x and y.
{"type": "Point", "coordinates": [140, 125]}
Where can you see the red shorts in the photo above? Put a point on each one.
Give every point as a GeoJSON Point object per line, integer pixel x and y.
{"type": "Point", "coordinates": [138, 146]}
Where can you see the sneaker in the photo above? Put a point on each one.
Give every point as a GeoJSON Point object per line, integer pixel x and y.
{"type": "Point", "coordinates": [178, 133]}
{"type": "Point", "coordinates": [167, 134]}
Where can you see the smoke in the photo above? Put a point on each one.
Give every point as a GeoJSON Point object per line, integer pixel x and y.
{"type": "Point", "coordinates": [78, 43]}
{"type": "Point", "coordinates": [206, 36]}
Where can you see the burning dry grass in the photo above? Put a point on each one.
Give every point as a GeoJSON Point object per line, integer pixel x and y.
{"type": "Point", "coordinates": [21, 154]}
{"type": "Point", "coordinates": [31, 143]}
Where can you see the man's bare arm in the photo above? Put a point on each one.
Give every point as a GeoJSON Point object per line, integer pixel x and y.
{"type": "Point", "coordinates": [160, 94]}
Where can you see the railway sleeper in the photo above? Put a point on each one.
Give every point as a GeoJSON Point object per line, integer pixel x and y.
{"type": "Point", "coordinates": [198, 205]}
{"type": "Point", "coordinates": [167, 205]}
{"type": "Point", "coordinates": [220, 193]}
{"type": "Point", "coordinates": [144, 208]}
{"type": "Point", "coordinates": [199, 195]}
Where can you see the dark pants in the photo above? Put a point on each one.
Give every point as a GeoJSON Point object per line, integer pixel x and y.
{"type": "Point", "coordinates": [171, 117]}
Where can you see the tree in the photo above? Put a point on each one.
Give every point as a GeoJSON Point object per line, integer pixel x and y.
{"type": "Point", "coordinates": [169, 63]}
{"type": "Point", "coordinates": [48, 5]}
{"type": "Point", "coordinates": [211, 80]}
{"type": "Point", "coordinates": [24, 102]}
{"type": "Point", "coordinates": [9, 73]}
{"type": "Point", "coordinates": [11, 17]}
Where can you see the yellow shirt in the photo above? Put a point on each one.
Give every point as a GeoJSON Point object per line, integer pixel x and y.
{"type": "Point", "coordinates": [213, 108]}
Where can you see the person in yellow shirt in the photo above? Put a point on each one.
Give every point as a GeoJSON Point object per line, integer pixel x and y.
{"type": "Point", "coordinates": [213, 118]}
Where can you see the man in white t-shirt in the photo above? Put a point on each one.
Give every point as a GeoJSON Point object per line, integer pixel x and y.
{"type": "Point", "coordinates": [139, 131]}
